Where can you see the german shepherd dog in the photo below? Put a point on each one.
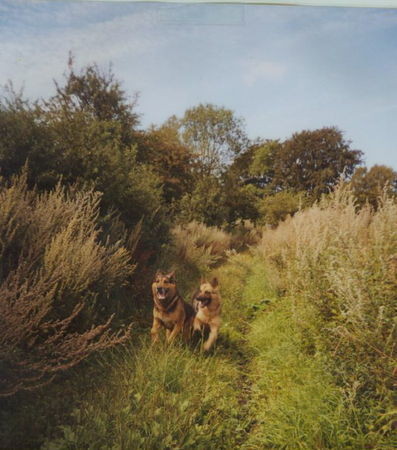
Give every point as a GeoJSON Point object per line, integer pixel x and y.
{"type": "Point", "coordinates": [207, 304]}
{"type": "Point", "coordinates": [170, 310]}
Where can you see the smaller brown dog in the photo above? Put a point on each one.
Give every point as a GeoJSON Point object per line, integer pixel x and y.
{"type": "Point", "coordinates": [207, 304]}
{"type": "Point", "coordinates": [170, 310]}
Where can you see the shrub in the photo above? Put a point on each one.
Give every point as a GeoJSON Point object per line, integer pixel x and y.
{"type": "Point", "coordinates": [244, 234]}
{"type": "Point", "coordinates": [57, 277]}
{"type": "Point", "coordinates": [277, 207]}
{"type": "Point", "coordinates": [206, 203]}
{"type": "Point", "coordinates": [196, 248]}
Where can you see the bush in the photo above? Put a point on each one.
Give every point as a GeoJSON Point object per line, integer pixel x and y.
{"type": "Point", "coordinates": [275, 208]}
{"type": "Point", "coordinates": [195, 248]}
{"type": "Point", "coordinates": [86, 133]}
{"type": "Point", "coordinates": [244, 234]}
{"type": "Point", "coordinates": [206, 203]}
{"type": "Point", "coordinates": [57, 280]}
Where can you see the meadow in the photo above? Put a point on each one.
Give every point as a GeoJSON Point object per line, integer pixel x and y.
{"type": "Point", "coordinates": [91, 206]}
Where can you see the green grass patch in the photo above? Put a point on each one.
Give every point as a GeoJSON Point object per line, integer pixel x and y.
{"type": "Point", "coordinates": [159, 398]}
{"type": "Point", "coordinates": [294, 396]}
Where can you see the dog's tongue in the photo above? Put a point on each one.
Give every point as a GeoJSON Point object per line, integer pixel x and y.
{"type": "Point", "coordinates": [161, 294]}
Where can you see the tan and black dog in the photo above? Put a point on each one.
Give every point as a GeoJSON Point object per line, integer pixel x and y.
{"type": "Point", "coordinates": [170, 310]}
{"type": "Point", "coordinates": [207, 305]}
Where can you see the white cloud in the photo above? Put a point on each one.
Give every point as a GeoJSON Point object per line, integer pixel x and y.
{"type": "Point", "coordinates": [256, 70]}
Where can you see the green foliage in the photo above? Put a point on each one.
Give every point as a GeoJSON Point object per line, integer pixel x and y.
{"type": "Point", "coordinates": [277, 207]}
{"type": "Point", "coordinates": [172, 161]}
{"type": "Point", "coordinates": [214, 134]}
{"type": "Point", "coordinates": [219, 202]}
{"type": "Point", "coordinates": [98, 94]}
{"type": "Point", "coordinates": [23, 136]}
{"type": "Point", "coordinates": [85, 133]}
{"type": "Point", "coordinates": [205, 204]}
{"type": "Point", "coordinates": [240, 201]}
{"type": "Point", "coordinates": [158, 398]}
{"type": "Point", "coordinates": [309, 161]}
{"type": "Point", "coordinates": [313, 161]}
{"type": "Point", "coordinates": [93, 131]}
{"type": "Point", "coordinates": [261, 168]}
{"type": "Point", "coordinates": [369, 185]}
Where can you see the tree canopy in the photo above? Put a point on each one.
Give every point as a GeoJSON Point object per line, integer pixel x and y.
{"type": "Point", "coordinates": [369, 184]}
{"type": "Point", "coordinates": [214, 134]}
{"type": "Point", "coordinates": [313, 161]}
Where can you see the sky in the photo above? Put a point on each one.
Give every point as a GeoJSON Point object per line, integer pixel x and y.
{"type": "Point", "coordinates": [282, 68]}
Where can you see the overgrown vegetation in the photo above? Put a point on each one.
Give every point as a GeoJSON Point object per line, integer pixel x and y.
{"type": "Point", "coordinates": [335, 267]}
{"type": "Point", "coordinates": [57, 279]}
{"type": "Point", "coordinates": [91, 205]}
{"type": "Point", "coordinates": [158, 398]}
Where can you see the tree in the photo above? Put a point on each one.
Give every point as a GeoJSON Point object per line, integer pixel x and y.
{"type": "Point", "coordinates": [98, 94]}
{"type": "Point", "coordinates": [171, 160]}
{"type": "Point", "coordinates": [368, 185]}
{"type": "Point", "coordinates": [313, 161]}
{"type": "Point", "coordinates": [206, 203]}
{"type": "Point", "coordinates": [85, 134]}
{"type": "Point", "coordinates": [277, 207]}
{"type": "Point", "coordinates": [240, 200]}
{"type": "Point", "coordinates": [23, 135]}
{"type": "Point", "coordinates": [261, 168]}
{"type": "Point", "coordinates": [214, 134]}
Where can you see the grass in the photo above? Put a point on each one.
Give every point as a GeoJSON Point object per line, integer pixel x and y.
{"type": "Point", "coordinates": [159, 398]}
{"type": "Point", "coordinates": [297, 402]}
{"type": "Point", "coordinates": [335, 265]}
{"type": "Point", "coordinates": [280, 376]}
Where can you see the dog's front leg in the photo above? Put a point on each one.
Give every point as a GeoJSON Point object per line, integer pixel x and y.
{"type": "Point", "coordinates": [197, 324]}
{"type": "Point", "coordinates": [187, 330]}
{"type": "Point", "coordinates": [155, 329]}
{"type": "Point", "coordinates": [212, 336]}
{"type": "Point", "coordinates": [177, 328]}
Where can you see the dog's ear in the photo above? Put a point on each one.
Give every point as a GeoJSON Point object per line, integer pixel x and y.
{"type": "Point", "coordinates": [157, 274]}
{"type": "Point", "coordinates": [214, 282]}
{"type": "Point", "coordinates": [171, 276]}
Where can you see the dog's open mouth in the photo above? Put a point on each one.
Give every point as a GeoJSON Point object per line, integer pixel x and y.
{"type": "Point", "coordinates": [162, 293]}
{"type": "Point", "coordinates": [203, 300]}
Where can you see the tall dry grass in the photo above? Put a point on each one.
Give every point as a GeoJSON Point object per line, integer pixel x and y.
{"type": "Point", "coordinates": [194, 249]}
{"type": "Point", "coordinates": [57, 279]}
{"type": "Point", "coordinates": [337, 264]}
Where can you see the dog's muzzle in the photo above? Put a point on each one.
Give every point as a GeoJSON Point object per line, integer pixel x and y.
{"type": "Point", "coordinates": [203, 300]}
{"type": "Point", "coordinates": [162, 293]}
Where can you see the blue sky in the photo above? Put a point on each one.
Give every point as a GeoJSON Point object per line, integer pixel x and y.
{"type": "Point", "coordinates": [283, 69]}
